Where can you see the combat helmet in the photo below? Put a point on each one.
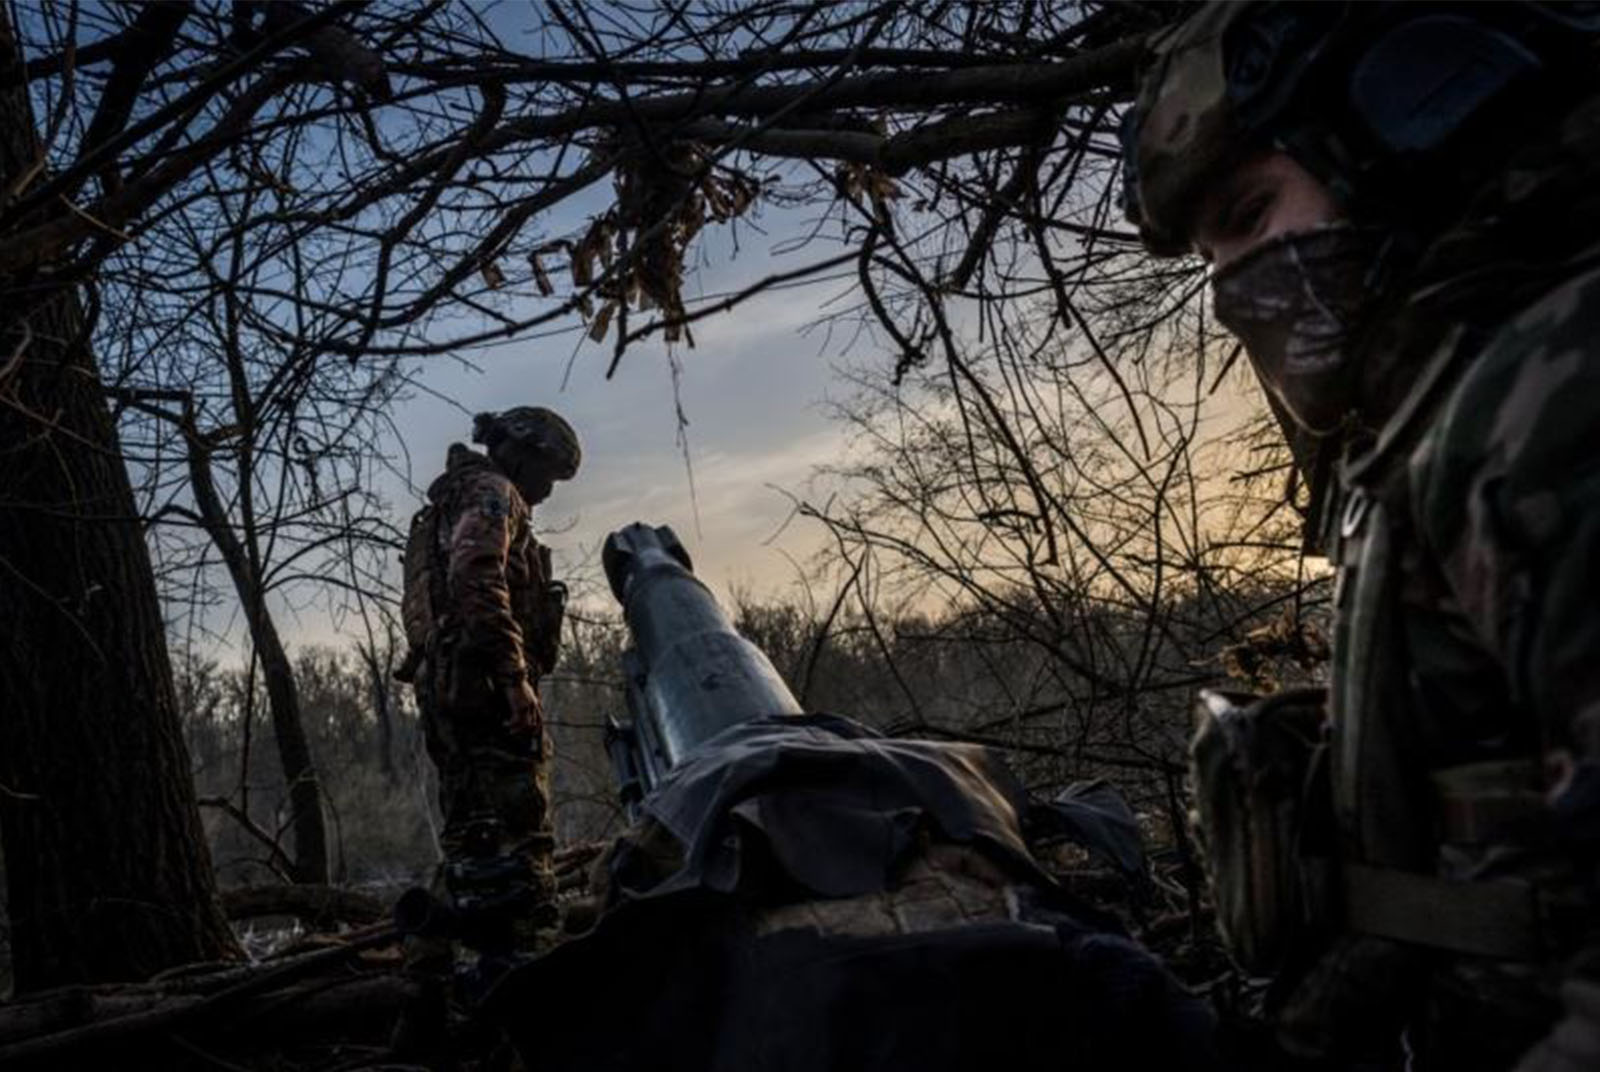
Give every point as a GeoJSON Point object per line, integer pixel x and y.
{"type": "Point", "coordinates": [1390, 104]}
{"type": "Point", "coordinates": [532, 429]}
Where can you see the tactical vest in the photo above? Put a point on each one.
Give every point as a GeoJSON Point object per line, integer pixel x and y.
{"type": "Point", "coordinates": [1309, 833]}
{"type": "Point", "coordinates": [1399, 815]}
{"type": "Point", "coordinates": [538, 604]}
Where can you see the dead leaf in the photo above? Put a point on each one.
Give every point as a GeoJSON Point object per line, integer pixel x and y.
{"type": "Point", "coordinates": [602, 323]}
{"type": "Point", "coordinates": [541, 278]}
{"type": "Point", "coordinates": [583, 264]}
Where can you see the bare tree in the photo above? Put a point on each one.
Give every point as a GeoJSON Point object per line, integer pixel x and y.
{"type": "Point", "coordinates": [267, 474]}
{"type": "Point", "coordinates": [106, 875]}
{"type": "Point", "coordinates": [113, 882]}
{"type": "Point", "coordinates": [1019, 507]}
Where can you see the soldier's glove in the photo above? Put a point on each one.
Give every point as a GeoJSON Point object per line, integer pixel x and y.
{"type": "Point", "coordinates": [524, 712]}
{"type": "Point", "coordinates": [1574, 1043]}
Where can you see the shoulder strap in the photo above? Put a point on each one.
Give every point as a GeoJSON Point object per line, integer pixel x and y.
{"type": "Point", "coordinates": [1444, 366]}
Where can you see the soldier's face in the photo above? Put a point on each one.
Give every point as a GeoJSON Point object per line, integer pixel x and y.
{"type": "Point", "coordinates": [1292, 281]}
{"type": "Point", "coordinates": [1265, 196]}
{"type": "Point", "coordinates": [532, 477]}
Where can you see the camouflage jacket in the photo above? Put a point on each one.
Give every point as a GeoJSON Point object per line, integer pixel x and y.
{"type": "Point", "coordinates": [1466, 679]}
{"type": "Point", "coordinates": [1468, 604]}
{"type": "Point", "coordinates": [494, 580]}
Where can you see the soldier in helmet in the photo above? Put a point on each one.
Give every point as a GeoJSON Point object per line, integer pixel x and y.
{"type": "Point", "coordinates": [483, 617]}
{"type": "Point", "coordinates": [1400, 204]}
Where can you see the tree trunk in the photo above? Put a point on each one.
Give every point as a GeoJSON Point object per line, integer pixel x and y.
{"type": "Point", "coordinates": [107, 872]}
{"type": "Point", "coordinates": [283, 697]}
{"type": "Point", "coordinates": [380, 679]}
{"type": "Point", "coordinates": [294, 752]}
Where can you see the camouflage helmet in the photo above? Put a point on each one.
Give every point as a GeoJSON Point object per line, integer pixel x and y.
{"type": "Point", "coordinates": [1217, 88]}
{"type": "Point", "coordinates": [531, 428]}
{"type": "Point", "coordinates": [1388, 104]}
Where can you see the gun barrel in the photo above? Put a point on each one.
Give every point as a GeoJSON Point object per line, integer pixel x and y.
{"type": "Point", "coordinates": [696, 675]}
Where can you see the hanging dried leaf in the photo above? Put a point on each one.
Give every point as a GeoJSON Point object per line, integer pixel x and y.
{"type": "Point", "coordinates": [583, 263]}
{"type": "Point", "coordinates": [744, 194]}
{"type": "Point", "coordinates": [847, 180]}
{"type": "Point", "coordinates": [541, 278]}
{"type": "Point", "coordinates": [602, 323]}
{"type": "Point", "coordinates": [717, 199]}
{"type": "Point", "coordinates": [493, 277]}
{"type": "Point", "coordinates": [664, 198]}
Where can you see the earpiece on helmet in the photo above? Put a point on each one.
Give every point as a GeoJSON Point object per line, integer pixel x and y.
{"type": "Point", "coordinates": [1426, 79]}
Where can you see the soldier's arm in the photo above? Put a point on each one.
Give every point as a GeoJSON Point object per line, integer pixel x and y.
{"type": "Point", "coordinates": [480, 543]}
{"type": "Point", "coordinates": [1512, 504]}
{"type": "Point", "coordinates": [1511, 497]}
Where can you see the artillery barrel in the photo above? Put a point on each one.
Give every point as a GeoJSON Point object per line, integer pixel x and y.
{"type": "Point", "coordinates": [695, 675]}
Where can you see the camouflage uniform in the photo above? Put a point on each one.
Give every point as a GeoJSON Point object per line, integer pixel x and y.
{"type": "Point", "coordinates": [1464, 519]}
{"type": "Point", "coordinates": [1466, 682]}
{"type": "Point", "coordinates": [490, 629]}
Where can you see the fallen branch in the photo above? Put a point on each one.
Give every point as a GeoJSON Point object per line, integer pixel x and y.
{"type": "Point", "coordinates": [318, 906]}
{"type": "Point", "coordinates": [179, 1011]}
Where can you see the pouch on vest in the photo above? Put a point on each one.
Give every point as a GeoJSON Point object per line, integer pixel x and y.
{"type": "Point", "coordinates": [1258, 766]}
{"type": "Point", "coordinates": [418, 611]}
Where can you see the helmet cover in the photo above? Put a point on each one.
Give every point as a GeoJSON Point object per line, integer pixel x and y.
{"type": "Point", "coordinates": [1217, 84]}
{"type": "Point", "coordinates": [532, 428]}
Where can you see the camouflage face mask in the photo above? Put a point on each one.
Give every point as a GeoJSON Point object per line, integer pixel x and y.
{"type": "Point", "coordinates": [1297, 303]}
{"type": "Point", "coordinates": [527, 467]}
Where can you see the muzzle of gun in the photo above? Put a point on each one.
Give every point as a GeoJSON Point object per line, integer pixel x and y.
{"type": "Point", "coordinates": [690, 675]}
